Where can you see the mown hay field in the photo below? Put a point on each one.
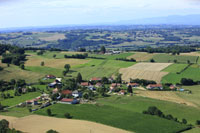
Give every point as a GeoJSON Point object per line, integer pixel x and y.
{"type": "Point", "coordinates": [55, 63]}
{"type": "Point", "coordinates": [41, 124]}
{"type": "Point", "coordinates": [148, 71]}
{"type": "Point", "coordinates": [53, 37]}
{"type": "Point", "coordinates": [141, 56]}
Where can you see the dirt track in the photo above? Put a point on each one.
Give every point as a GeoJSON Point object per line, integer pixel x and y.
{"type": "Point", "coordinates": [41, 124]}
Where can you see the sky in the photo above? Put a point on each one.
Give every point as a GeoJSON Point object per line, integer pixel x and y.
{"type": "Point", "coordinates": [24, 13]}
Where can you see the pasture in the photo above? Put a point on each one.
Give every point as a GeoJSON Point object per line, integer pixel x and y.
{"type": "Point", "coordinates": [139, 104]}
{"type": "Point", "coordinates": [174, 68]}
{"type": "Point", "coordinates": [141, 56]}
{"type": "Point", "coordinates": [100, 68]}
{"type": "Point", "coordinates": [112, 57]}
{"type": "Point", "coordinates": [192, 72]}
{"type": "Point", "coordinates": [18, 99]}
{"type": "Point", "coordinates": [166, 58]}
{"type": "Point", "coordinates": [148, 71]}
{"type": "Point", "coordinates": [14, 72]}
{"type": "Point", "coordinates": [115, 117]}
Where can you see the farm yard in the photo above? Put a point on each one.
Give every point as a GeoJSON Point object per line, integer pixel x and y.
{"type": "Point", "coordinates": [148, 71]}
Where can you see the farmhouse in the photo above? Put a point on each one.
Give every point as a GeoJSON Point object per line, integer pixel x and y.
{"type": "Point", "coordinates": [76, 94]}
{"type": "Point", "coordinates": [172, 87]}
{"type": "Point", "coordinates": [69, 101]}
{"type": "Point", "coordinates": [114, 86]}
{"type": "Point", "coordinates": [50, 76]}
{"type": "Point", "coordinates": [98, 85]}
{"type": "Point", "coordinates": [85, 84]}
{"type": "Point", "coordinates": [67, 92]}
{"type": "Point", "coordinates": [96, 79]}
{"type": "Point", "coordinates": [133, 85]}
{"type": "Point", "coordinates": [122, 92]}
{"type": "Point", "coordinates": [154, 86]}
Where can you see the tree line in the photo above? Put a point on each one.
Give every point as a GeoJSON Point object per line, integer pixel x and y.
{"type": "Point", "coordinates": [12, 54]}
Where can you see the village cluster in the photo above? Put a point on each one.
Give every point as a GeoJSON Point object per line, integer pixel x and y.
{"type": "Point", "coordinates": [76, 96]}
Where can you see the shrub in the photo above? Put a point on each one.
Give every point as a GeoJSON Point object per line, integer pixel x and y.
{"type": "Point", "coordinates": [67, 115]}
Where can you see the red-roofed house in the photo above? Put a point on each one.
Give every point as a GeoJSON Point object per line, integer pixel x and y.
{"type": "Point", "coordinates": [69, 101]}
{"type": "Point", "coordinates": [115, 85]}
{"type": "Point", "coordinates": [50, 76]}
{"type": "Point", "coordinates": [98, 85]}
{"type": "Point", "coordinates": [133, 84]}
{"type": "Point", "coordinates": [154, 86]}
{"type": "Point", "coordinates": [66, 92]}
{"type": "Point", "coordinates": [172, 87]}
{"type": "Point", "coordinates": [122, 92]}
{"type": "Point", "coordinates": [86, 84]}
{"type": "Point", "coordinates": [95, 79]}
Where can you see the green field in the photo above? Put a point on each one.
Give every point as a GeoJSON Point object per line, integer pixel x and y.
{"type": "Point", "coordinates": [116, 117]}
{"type": "Point", "coordinates": [100, 68]}
{"type": "Point", "coordinates": [166, 58]}
{"type": "Point", "coordinates": [45, 70]}
{"type": "Point", "coordinates": [175, 68]}
{"type": "Point", "coordinates": [194, 97]}
{"type": "Point", "coordinates": [139, 104]}
{"type": "Point", "coordinates": [191, 72]}
{"type": "Point", "coordinates": [112, 57]}
{"type": "Point", "coordinates": [18, 99]}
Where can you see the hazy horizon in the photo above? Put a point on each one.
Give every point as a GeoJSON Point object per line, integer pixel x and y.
{"type": "Point", "coordinates": [24, 13]}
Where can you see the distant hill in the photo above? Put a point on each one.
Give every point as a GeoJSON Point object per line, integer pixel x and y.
{"type": "Point", "coordinates": [169, 20]}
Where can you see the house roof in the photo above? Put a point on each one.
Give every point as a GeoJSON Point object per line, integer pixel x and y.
{"type": "Point", "coordinates": [133, 84]}
{"type": "Point", "coordinates": [95, 79]}
{"type": "Point", "coordinates": [115, 85]}
{"type": "Point", "coordinates": [67, 100]}
{"type": "Point", "coordinates": [85, 84]}
{"type": "Point", "coordinates": [98, 84]}
{"type": "Point", "coordinates": [154, 85]}
{"type": "Point", "coordinates": [65, 92]}
{"type": "Point", "coordinates": [50, 76]}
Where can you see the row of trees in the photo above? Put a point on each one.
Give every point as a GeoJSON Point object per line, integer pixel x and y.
{"type": "Point", "coordinates": [78, 56]}
{"type": "Point", "coordinates": [152, 110]}
{"type": "Point", "coordinates": [125, 59]}
{"type": "Point", "coordinates": [170, 49]}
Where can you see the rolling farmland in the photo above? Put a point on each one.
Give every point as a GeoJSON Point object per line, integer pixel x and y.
{"type": "Point", "coordinates": [148, 71]}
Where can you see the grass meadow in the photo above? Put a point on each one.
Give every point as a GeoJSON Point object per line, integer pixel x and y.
{"type": "Point", "coordinates": [192, 73]}
{"type": "Point", "coordinates": [166, 58]}
{"type": "Point", "coordinates": [116, 117]}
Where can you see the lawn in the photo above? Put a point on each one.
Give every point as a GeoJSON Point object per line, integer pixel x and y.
{"type": "Point", "coordinates": [19, 99]}
{"type": "Point", "coordinates": [192, 73]}
{"type": "Point", "coordinates": [164, 58]}
{"type": "Point", "coordinates": [116, 117]}
{"type": "Point", "coordinates": [100, 68]}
